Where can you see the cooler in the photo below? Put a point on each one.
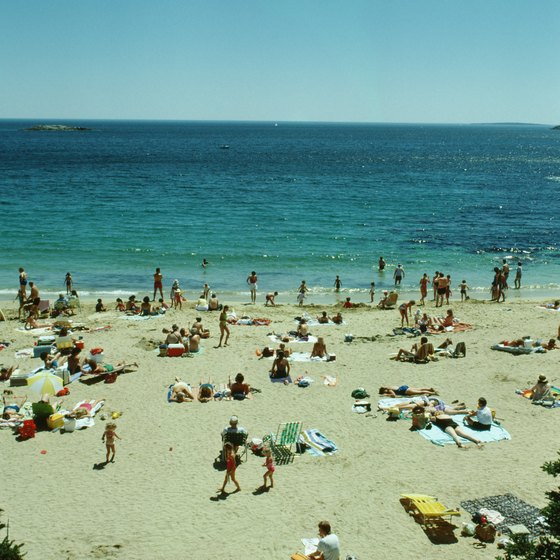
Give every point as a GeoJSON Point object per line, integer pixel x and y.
{"type": "Point", "coordinates": [174, 350]}
{"type": "Point", "coordinates": [38, 350]}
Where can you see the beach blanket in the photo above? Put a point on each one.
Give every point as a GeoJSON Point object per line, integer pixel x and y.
{"type": "Point", "coordinates": [317, 443]}
{"type": "Point", "coordinates": [40, 330]}
{"type": "Point", "coordinates": [518, 350]}
{"type": "Point", "coordinates": [439, 437]}
{"type": "Point", "coordinates": [275, 338]}
{"type": "Point", "coordinates": [256, 322]}
{"type": "Point", "coordinates": [284, 380]}
{"type": "Point", "coordinates": [388, 402]}
{"type": "Point", "coordinates": [305, 357]}
{"type": "Point", "coordinates": [141, 317]}
{"type": "Point", "coordinates": [457, 326]}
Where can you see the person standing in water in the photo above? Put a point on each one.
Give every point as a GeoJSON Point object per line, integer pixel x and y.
{"type": "Point", "coordinates": [398, 275]}
{"type": "Point", "coordinates": [381, 264]}
{"type": "Point", "coordinates": [337, 283]}
{"type": "Point", "coordinates": [518, 274]}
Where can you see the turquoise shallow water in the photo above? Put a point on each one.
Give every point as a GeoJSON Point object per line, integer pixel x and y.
{"type": "Point", "coordinates": [291, 201]}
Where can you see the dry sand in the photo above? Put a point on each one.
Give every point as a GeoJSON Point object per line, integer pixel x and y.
{"type": "Point", "coordinates": [158, 500]}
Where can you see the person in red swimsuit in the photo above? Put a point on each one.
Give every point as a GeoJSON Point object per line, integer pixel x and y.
{"type": "Point", "coordinates": [231, 466]}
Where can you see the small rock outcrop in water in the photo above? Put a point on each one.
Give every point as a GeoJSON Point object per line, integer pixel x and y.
{"type": "Point", "coordinates": [57, 128]}
{"type": "Point", "coordinates": [557, 127]}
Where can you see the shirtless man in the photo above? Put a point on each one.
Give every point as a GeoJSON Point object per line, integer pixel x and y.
{"type": "Point", "coordinates": [280, 367]}
{"type": "Point", "coordinates": [442, 285]}
{"type": "Point", "coordinates": [518, 274]}
{"type": "Point", "coordinates": [198, 329]}
{"type": "Point", "coordinates": [34, 291]}
{"type": "Point", "coordinates": [158, 284]}
{"type": "Point", "coordinates": [323, 318]}
{"type": "Point", "coordinates": [252, 281]}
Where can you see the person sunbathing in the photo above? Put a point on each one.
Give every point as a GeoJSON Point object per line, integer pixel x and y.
{"type": "Point", "coordinates": [6, 373]}
{"type": "Point", "coordinates": [405, 390]}
{"type": "Point", "coordinates": [98, 369]}
{"type": "Point", "coordinates": [550, 345]}
{"type": "Point", "coordinates": [280, 367]}
{"type": "Point", "coordinates": [239, 389]}
{"type": "Point", "coordinates": [337, 319]}
{"type": "Point", "coordinates": [446, 423]}
{"type": "Point", "coordinates": [303, 329]}
{"type": "Point", "coordinates": [205, 392]}
{"type": "Point", "coordinates": [181, 392]}
{"type": "Point", "coordinates": [424, 322]}
{"type": "Point", "coordinates": [83, 410]}
{"type": "Point", "coordinates": [419, 353]}
{"type": "Point", "coordinates": [323, 318]}
{"type": "Point", "coordinates": [12, 405]}
{"type": "Point", "coordinates": [541, 389]}
{"type": "Point", "coordinates": [31, 323]}
{"type": "Point", "coordinates": [319, 349]}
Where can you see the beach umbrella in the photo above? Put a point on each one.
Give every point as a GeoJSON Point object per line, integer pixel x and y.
{"type": "Point", "coordinates": [45, 382]}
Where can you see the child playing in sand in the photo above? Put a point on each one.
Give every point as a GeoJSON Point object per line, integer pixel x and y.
{"type": "Point", "coordinates": [108, 437]}
{"type": "Point", "coordinates": [120, 306]}
{"type": "Point", "coordinates": [463, 287]}
{"type": "Point", "coordinates": [231, 465]}
{"type": "Point", "coordinates": [269, 464]}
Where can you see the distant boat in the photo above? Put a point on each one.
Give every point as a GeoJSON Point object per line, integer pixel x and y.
{"type": "Point", "coordinates": [224, 147]}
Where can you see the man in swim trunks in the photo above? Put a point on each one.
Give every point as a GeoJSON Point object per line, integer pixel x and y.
{"type": "Point", "coordinates": [442, 285]}
{"type": "Point", "coordinates": [518, 274]}
{"type": "Point", "coordinates": [252, 281]}
{"type": "Point", "coordinates": [398, 275]}
{"type": "Point", "coordinates": [158, 284]}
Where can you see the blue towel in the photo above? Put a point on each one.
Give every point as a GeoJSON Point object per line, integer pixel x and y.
{"type": "Point", "coordinates": [439, 437]}
{"type": "Point", "coordinates": [319, 444]}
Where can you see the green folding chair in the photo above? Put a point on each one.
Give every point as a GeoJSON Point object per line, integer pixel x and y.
{"type": "Point", "coordinates": [283, 442]}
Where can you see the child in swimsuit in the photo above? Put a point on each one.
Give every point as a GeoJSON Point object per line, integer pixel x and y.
{"type": "Point", "coordinates": [231, 466]}
{"type": "Point", "coordinates": [109, 438]}
{"type": "Point", "coordinates": [269, 464]}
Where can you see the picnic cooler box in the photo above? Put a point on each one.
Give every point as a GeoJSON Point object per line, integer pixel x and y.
{"type": "Point", "coordinates": [175, 350]}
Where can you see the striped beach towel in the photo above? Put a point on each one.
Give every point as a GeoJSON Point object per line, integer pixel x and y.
{"type": "Point", "coordinates": [317, 443]}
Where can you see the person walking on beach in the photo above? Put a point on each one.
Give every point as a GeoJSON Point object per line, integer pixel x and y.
{"type": "Point", "coordinates": [231, 467]}
{"type": "Point", "coordinates": [518, 274]}
{"type": "Point", "coordinates": [302, 290]}
{"type": "Point", "coordinates": [381, 264]}
{"type": "Point", "coordinates": [158, 283]}
{"type": "Point", "coordinates": [269, 464]}
{"type": "Point", "coordinates": [337, 283]}
{"type": "Point", "coordinates": [505, 273]}
{"type": "Point", "coordinates": [464, 287]}
{"type": "Point", "coordinates": [224, 329]}
{"type": "Point", "coordinates": [424, 281]}
{"type": "Point", "coordinates": [398, 275]}
{"type": "Point", "coordinates": [108, 437]}
{"type": "Point", "coordinates": [69, 283]}
{"type": "Point", "coordinates": [371, 292]}
{"type": "Point", "coordinates": [22, 282]}
{"type": "Point", "coordinates": [252, 281]}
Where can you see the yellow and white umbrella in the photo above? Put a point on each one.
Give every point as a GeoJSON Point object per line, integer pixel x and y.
{"type": "Point", "coordinates": [45, 382]}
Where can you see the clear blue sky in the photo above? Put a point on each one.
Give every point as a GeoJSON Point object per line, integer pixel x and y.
{"type": "Point", "coordinates": [299, 60]}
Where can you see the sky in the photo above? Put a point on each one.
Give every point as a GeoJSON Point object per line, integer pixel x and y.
{"type": "Point", "coordinates": [407, 61]}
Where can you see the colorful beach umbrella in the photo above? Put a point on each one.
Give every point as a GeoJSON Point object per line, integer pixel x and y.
{"type": "Point", "coordinates": [45, 382]}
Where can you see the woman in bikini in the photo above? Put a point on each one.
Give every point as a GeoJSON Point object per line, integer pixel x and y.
{"type": "Point", "coordinates": [224, 329]}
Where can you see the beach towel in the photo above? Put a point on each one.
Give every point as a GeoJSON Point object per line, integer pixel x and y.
{"type": "Point", "coordinates": [389, 402]}
{"type": "Point", "coordinates": [284, 380]}
{"type": "Point", "coordinates": [439, 437]}
{"type": "Point", "coordinates": [317, 443]}
{"type": "Point", "coordinates": [548, 307]}
{"type": "Point", "coordinates": [141, 317]}
{"type": "Point", "coordinates": [40, 330]}
{"type": "Point", "coordinates": [305, 357]}
{"type": "Point", "coordinates": [518, 350]}
{"type": "Point", "coordinates": [275, 338]}
{"type": "Point", "coordinates": [256, 322]}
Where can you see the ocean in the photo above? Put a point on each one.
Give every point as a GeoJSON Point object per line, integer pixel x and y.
{"type": "Point", "coordinates": [291, 201]}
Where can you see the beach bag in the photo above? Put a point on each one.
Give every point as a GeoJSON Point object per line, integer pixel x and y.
{"type": "Point", "coordinates": [485, 532]}
{"type": "Point", "coordinates": [360, 393]}
{"type": "Point", "coordinates": [27, 431]}
{"type": "Point", "coordinates": [95, 351]}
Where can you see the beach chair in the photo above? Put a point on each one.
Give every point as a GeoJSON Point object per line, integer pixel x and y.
{"type": "Point", "coordinates": [44, 306]}
{"type": "Point", "coordinates": [282, 443]}
{"type": "Point", "coordinates": [427, 508]}
{"type": "Point", "coordinates": [239, 440]}
{"type": "Point", "coordinates": [390, 302]}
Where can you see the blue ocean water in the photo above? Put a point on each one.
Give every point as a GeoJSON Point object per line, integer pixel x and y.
{"type": "Point", "coordinates": [290, 201]}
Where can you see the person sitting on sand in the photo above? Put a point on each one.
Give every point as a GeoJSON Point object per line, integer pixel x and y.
{"type": "Point", "coordinates": [74, 363]}
{"type": "Point", "coordinates": [120, 306]}
{"type": "Point", "coordinates": [99, 307]}
{"type": "Point", "coordinates": [214, 304]}
{"type": "Point", "coordinates": [323, 318]}
{"type": "Point", "coordinates": [418, 353]}
{"type": "Point", "coordinates": [6, 373]}
{"type": "Point", "coordinates": [194, 343]}
{"type": "Point", "coordinates": [131, 305]}
{"type": "Point", "coordinates": [50, 361]}
{"type": "Point", "coordinates": [205, 392]}
{"type": "Point", "coordinates": [337, 319]}
{"type": "Point", "coordinates": [446, 423]}
{"type": "Point", "coordinates": [348, 304]}
{"type": "Point", "coordinates": [181, 392]}
{"type": "Point", "coordinates": [303, 329]}
{"type": "Point", "coordinates": [319, 349]}
{"type": "Point", "coordinates": [541, 389]}
{"type": "Point", "coordinates": [280, 367]}
{"type": "Point", "coordinates": [146, 308]}
{"type": "Point", "coordinates": [239, 389]}
{"type": "Point", "coordinates": [198, 328]}
{"type": "Point", "coordinates": [481, 418]}
{"type": "Point", "coordinates": [406, 390]}
{"type": "Point", "coordinates": [174, 337]}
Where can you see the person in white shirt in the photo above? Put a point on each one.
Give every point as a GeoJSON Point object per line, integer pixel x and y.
{"type": "Point", "coordinates": [480, 419]}
{"type": "Point", "coordinates": [328, 547]}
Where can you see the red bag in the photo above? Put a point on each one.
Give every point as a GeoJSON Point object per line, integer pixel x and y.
{"type": "Point", "coordinates": [95, 351]}
{"type": "Point", "coordinates": [27, 431]}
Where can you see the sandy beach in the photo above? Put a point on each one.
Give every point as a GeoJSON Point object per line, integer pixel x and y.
{"type": "Point", "coordinates": [159, 500]}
